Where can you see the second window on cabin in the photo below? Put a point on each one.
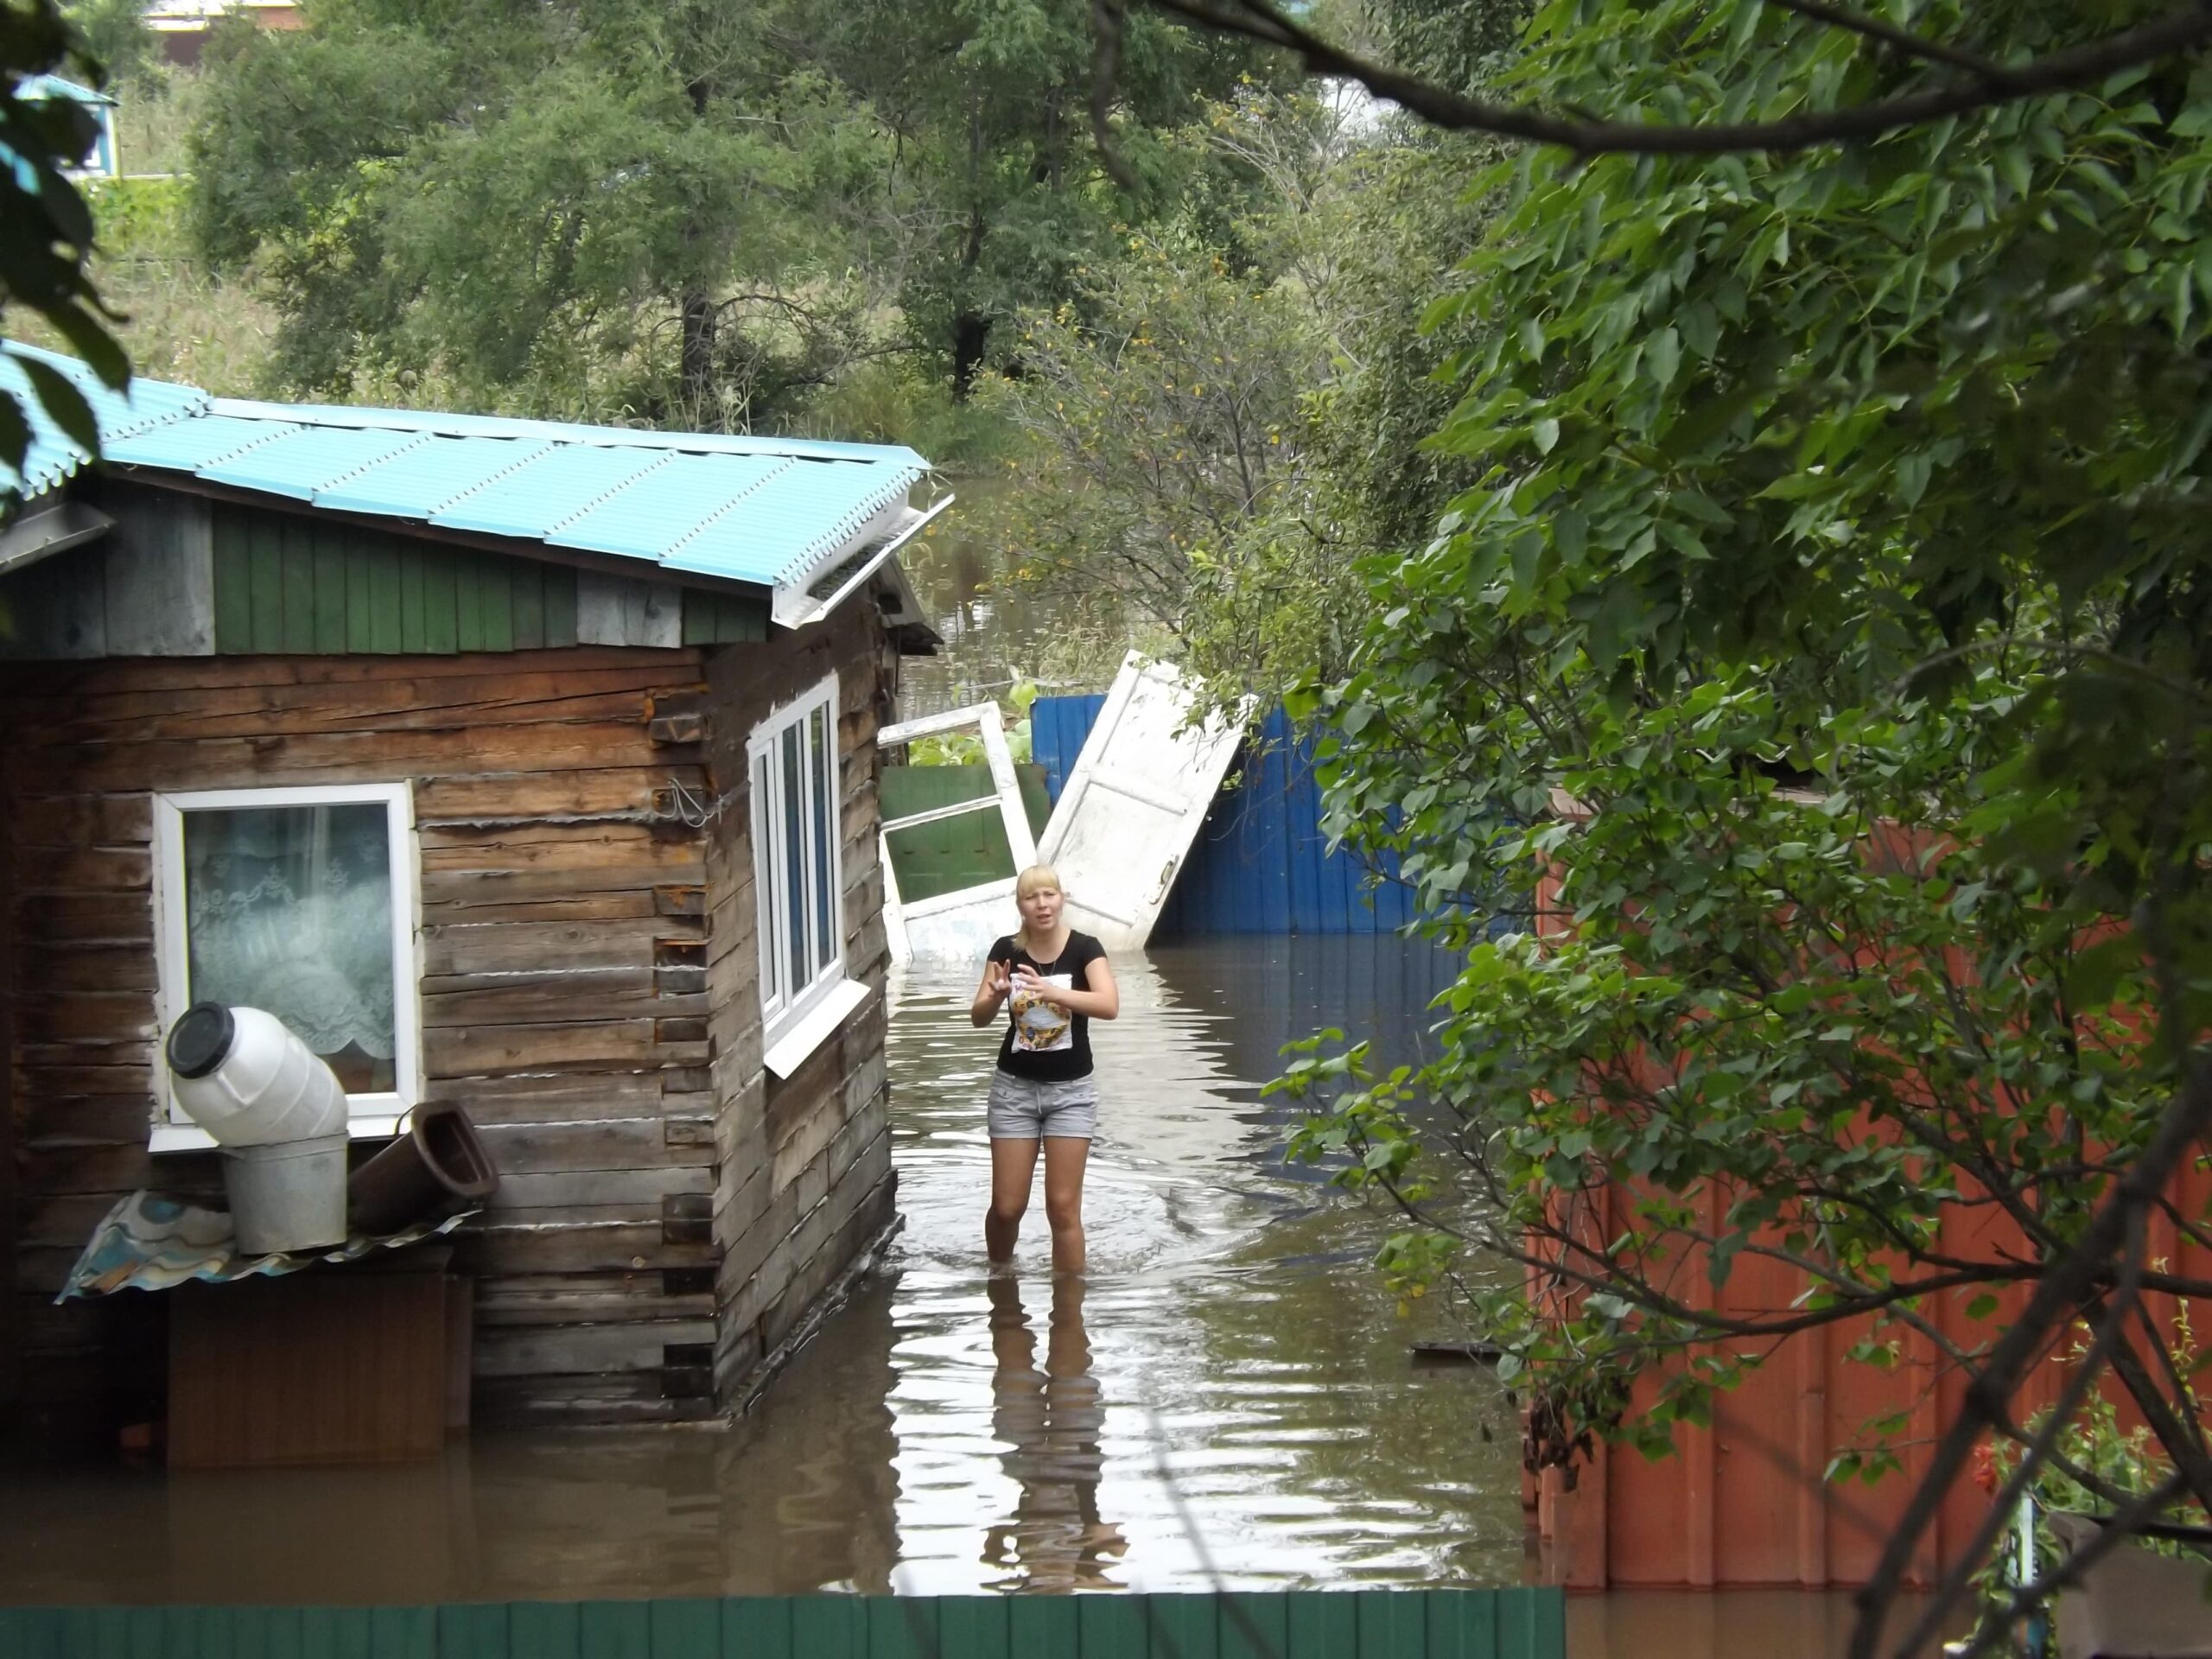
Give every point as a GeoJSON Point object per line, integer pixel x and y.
{"type": "Point", "coordinates": [795, 836]}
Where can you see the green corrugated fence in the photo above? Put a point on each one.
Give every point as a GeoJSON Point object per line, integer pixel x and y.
{"type": "Point", "coordinates": [1515, 1623]}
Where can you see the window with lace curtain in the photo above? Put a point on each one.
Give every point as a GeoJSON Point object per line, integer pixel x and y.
{"type": "Point", "coordinates": [300, 902]}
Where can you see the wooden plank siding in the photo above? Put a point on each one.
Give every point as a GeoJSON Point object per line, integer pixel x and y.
{"type": "Point", "coordinates": [805, 1160]}
{"type": "Point", "coordinates": [1517, 1623]}
{"type": "Point", "coordinates": [589, 988]}
{"type": "Point", "coordinates": [304, 584]}
{"type": "Point", "coordinates": [183, 575]}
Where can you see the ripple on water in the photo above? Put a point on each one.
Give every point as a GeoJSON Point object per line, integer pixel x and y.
{"type": "Point", "coordinates": [1229, 1396]}
{"type": "Point", "coordinates": [1203, 1398]}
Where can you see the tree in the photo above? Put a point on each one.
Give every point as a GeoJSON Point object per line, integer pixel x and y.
{"type": "Point", "coordinates": [46, 233]}
{"type": "Point", "coordinates": [996, 117]}
{"type": "Point", "coordinates": [600, 208]}
{"type": "Point", "coordinates": [1825, 488]}
{"type": "Point", "coordinates": [1228, 414]}
{"type": "Point", "coordinates": [114, 35]}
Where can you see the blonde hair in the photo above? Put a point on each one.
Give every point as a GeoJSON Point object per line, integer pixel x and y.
{"type": "Point", "coordinates": [1036, 878]}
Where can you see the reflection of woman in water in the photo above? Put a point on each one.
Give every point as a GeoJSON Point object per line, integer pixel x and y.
{"type": "Point", "coordinates": [1054, 982]}
{"type": "Point", "coordinates": [1051, 1423]}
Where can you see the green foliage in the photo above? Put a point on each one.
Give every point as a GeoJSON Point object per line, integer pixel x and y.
{"type": "Point", "coordinates": [1165, 449]}
{"type": "Point", "coordinates": [179, 321]}
{"type": "Point", "coordinates": [1227, 415]}
{"type": "Point", "coordinates": [46, 233]}
{"type": "Point", "coordinates": [1827, 621]}
{"type": "Point", "coordinates": [114, 35]}
{"type": "Point", "coordinates": [693, 214]}
{"type": "Point", "coordinates": [988, 108]}
{"type": "Point", "coordinates": [966, 749]}
{"type": "Point", "coordinates": [603, 211]}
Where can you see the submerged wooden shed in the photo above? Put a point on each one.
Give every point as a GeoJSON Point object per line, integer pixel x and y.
{"type": "Point", "coordinates": [525, 766]}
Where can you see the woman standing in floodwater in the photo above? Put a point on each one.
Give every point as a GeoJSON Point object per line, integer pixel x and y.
{"type": "Point", "coordinates": [1057, 982]}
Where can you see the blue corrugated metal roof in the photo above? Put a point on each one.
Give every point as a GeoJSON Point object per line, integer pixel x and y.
{"type": "Point", "coordinates": [545, 492]}
{"type": "Point", "coordinates": [52, 457]}
{"type": "Point", "coordinates": [771, 511]}
{"type": "Point", "coordinates": [438, 472]}
{"type": "Point", "coordinates": [190, 445]}
{"type": "Point", "coordinates": [303, 462]}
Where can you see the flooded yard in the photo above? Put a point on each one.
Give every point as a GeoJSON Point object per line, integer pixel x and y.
{"type": "Point", "coordinates": [1229, 1397]}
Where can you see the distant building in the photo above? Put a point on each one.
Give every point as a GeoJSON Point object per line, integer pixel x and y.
{"type": "Point", "coordinates": [103, 161]}
{"type": "Point", "coordinates": [182, 25]}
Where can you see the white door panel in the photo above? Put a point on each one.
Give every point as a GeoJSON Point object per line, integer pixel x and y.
{"type": "Point", "coordinates": [1133, 802]}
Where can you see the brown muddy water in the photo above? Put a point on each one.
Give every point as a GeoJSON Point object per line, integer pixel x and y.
{"type": "Point", "coordinates": [1229, 1398]}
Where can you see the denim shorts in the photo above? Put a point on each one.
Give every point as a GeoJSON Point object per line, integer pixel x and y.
{"type": "Point", "coordinates": [1019, 1109]}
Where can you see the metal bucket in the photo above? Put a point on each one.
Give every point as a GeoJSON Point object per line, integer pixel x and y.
{"type": "Point", "coordinates": [289, 1195]}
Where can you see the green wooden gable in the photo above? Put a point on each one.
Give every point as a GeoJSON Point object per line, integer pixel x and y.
{"type": "Point", "coordinates": [179, 575]}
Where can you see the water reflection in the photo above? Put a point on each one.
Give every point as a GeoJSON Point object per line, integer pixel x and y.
{"type": "Point", "coordinates": [1051, 1422]}
{"type": "Point", "coordinates": [1230, 1392]}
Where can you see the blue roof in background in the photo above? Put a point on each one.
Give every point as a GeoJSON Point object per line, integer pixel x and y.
{"type": "Point", "coordinates": [36, 89]}
{"type": "Point", "coordinates": [763, 510]}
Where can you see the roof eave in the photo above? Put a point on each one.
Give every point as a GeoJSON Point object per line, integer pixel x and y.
{"type": "Point", "coordinates": [795, 605]}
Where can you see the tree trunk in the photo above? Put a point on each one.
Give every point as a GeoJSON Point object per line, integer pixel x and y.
{"type": "Point", "coordinates": [698, 356]}
{"type": "Point", "coordinates": [971, 331]}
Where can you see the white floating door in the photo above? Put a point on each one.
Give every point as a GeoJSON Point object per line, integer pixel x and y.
{"type": "Point", "coordinates": [1133, 802]}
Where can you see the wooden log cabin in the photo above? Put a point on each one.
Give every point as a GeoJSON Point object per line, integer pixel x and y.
{"type": "Point", "coordinates": [523, 766]}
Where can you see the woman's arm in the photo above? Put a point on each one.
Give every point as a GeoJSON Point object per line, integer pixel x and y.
{"type": "Point", "coordinates": [1102, 1001]}
{"type": "Point", "coordinates": [990, 995]}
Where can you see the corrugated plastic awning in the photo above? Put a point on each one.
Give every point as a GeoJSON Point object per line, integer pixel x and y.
{"type": "Point", "coordinates": [151, 1242]}
{"type": "Point", "coordinates": [770, 512]}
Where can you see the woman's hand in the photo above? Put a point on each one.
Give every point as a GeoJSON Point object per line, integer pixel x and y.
{"type": "Point", "coordinates": [1102, 1001]}
{"type": "Point", "coordinates": [990, 994]}
{"type": "Point", "coordinates": [1037, 988]}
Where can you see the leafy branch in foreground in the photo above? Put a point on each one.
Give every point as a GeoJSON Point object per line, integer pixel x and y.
{"type": "Point", "coordinates": [46, 234]}
{"type": "Point", "coordinates": [1820, 666]}
{"type": "Point", "coordinates": [1979, 81]}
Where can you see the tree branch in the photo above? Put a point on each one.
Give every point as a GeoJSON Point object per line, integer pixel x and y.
{"type": "Point", "coordinates": [2038, 1450]}
{"type": "Point", "coordinates": [1994, 74]}
{"type": "Point", "coordinates": [2180, 30]}
{"type": "Point", "coordinates": [2056, 1295]}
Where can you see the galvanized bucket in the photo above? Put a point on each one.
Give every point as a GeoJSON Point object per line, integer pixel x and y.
{"type": "Point", "coordinates": [289, 1195]}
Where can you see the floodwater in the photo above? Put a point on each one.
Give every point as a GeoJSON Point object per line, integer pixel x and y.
{"type": "Point", "coordinates": [1229, 1398]}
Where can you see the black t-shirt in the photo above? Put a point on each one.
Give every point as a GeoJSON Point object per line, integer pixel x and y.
{"type": "Point", "coordinates": [1044, 1044]}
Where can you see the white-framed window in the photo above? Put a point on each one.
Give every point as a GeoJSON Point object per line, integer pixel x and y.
{"type": "Point", "coordinates": [798, 879]}
{"type": "Point", "coordinates": [300, 902]}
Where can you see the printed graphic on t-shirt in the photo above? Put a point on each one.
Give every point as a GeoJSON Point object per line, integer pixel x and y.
{"type": "Point", "coordinates": [1039, 1027]}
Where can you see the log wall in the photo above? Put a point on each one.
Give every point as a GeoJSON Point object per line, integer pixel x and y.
{"type": "Point", "coordinates": [571, 926]}
{"type": "Point", "coordinates": [805, 1160]}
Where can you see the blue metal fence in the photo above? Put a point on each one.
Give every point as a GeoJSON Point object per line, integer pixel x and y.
{"type": "Point", "coordinates": [1261, 863]}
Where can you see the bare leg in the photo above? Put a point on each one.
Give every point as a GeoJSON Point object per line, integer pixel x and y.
{"type": "Point", "coordinates": [1066, 1158]}
{"type": "Point", "coordinates": [1013, 1164]}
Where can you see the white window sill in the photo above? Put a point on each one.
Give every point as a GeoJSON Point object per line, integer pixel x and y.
{"type": "Point", "coordinates": [795, 1041]}
{"type": "Point", "coordinates": [190, 1137]}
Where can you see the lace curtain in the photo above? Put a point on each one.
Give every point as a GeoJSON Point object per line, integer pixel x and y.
{"type": "Point", "coordinates": [288, 909]}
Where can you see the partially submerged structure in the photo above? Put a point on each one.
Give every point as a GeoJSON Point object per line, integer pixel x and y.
{"type": "Point", "coordinates": [525, 766]}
